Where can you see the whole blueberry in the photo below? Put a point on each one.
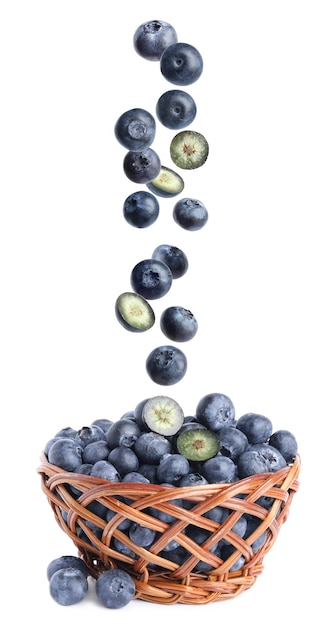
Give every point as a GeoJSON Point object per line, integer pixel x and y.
{"type": "Point", "coordinates": [141, 209]}
{"type": "Point", "coordinates": [190, 214]}
{"type": "Point", "coordinates": [232, 441]}
{"type": "Point", "coordinates": [66, 561]}
{"type": "Point", "coordinates": [178, 323]}
{"type": "Point", "coordinates": [285, 442]}
{"type": "Point", "coordinates": [252, 462]}
{"type": "Point", "coordinates": [124, 459]}
{"type": "Point", "coordinates": [65, 453]}
{"type": "Point", "coordinates": [274, 456]}
{"type": "Point", "coordinates": [176, 109]}
{"type": "Point", "coordinates": [166, 365]}
{"type": "Point", "coordinates": [215, 411]}
{"type": "Point", "coordinates": [135, 129]}
{"type": "Point", "coordinates": [105, 470]}
{"type": "Point", "coordinates": [150, 447]}
{"type": "Point", "coordinates": [152, 38]}
{"type": "Point", "coordinates": [88, 434]}
{"type": "Point", "coordinates": [151, 278]}
{"type": "Point", "coordinates": [257, 428]}
{"type": "Point", "coordinates": [115, 588]}
{"type": "Point", "coordinates": [123, 432]}
{"type": "Point", "coordinates": [219, 469]}
{"type": "Point", "coordinates": [68, 586]}
{"type": "Point", "coordinates": [68, 431]}
{"type": "Point", "coordinates": [95, 451]}
{"type": "Point", "coordinates": [181, 64]}
{"type": "Point", "coordinates": [172, 256]}
{"type": "Point", "coordinates": [102, 422]}
{"type": "Point", "coordinates": [141, 166]}
{"type": "Point", "coordinates": [171, 468]}
{"type": "Point", "coordinates": [141, 535]}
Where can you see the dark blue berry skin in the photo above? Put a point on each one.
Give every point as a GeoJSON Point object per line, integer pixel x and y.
{"type": "Point", "coordinates": [135, 129]}
{"type": "Point", "coordinates": [275, 458]}
{"type": "Point", "coordinates": [151, 278]}
{"type": "Point", "coordinates": [68, 586]}
{"type": "Point", "coordinates": [66, 561]}
{"type": "Point", "coordinates": [66, 432]}
{"type": "Point", "coordinates": [181, 64]}
{"type": "Point", "coordinates": [141, 535]}
{"type": "Point", "coordinates": [150, 447]}
{"type": "Point", "coordinates": [123, 432]}
{"type": "Point", "coordinates": [215, 411]}
{"type": "Point", "coordinates": [172, 468]}
{"type": "Point", "coordinates": [190, 214]}
{"type": "Point", "coordinates": [166, 365]}
{"type": "Point", "coordinates": [175, 258]}
{"type": "Point", "coordinates": [141, 166]}
{"type": "Point", "coordinates": [65, 453]}
{"type": "Point", "coordinates": [95, 451]}
{"type": "Point", "coordinates": [88, 434]}
{"type": "Point", "coordinates": [106, 471]}
{"type": "Point", "coordinates": [252, 462]}
{"type": "Point", "coordinates": [103, 423]}
{"type": "Point", "coordinates": [115, 588]}
{"type": "Point", "coordinates": [219, 469]}
{"type": "Point", "coordinates": [152, 38]}
{"type": "Point", "coordinates": [233, 442]}
{"type": "Point", "coordinates": [124, 459]}
{"type": "Point", "coordinates": [178, 323]}
{"type": "Point", "coordinates": [257, 428]}
{"type": "Point", "coordinates": [141, 209]}
{"type": "Point", "coordinates": [176, 109]}
{"type": "Point", "coordinates": [285, 442]}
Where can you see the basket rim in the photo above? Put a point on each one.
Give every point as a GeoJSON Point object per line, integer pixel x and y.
{"type": "Point", "coordinates": [58, 474]}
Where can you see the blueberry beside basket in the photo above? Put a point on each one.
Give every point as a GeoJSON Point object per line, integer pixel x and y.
{"type": "Point", "coordinates": [75, 500]}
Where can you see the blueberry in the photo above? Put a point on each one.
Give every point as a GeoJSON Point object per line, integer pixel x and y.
{"type": "Point", "coordinates": [167, 183]}
{"type": "Point", "coordinates": [178, 323]}
{"type": "Point", "coordinates": [152, 38]}
{"type": "Point", "coordinates": [172, 467]}
{"type": "Point", "coordinates": [285, 442]}
{"type": "Point", "coordinates": [215, 411]}
{"type": "Point", "coordinates": [103, 423]}
{"type": "Point", "coordinates": [176, 109]}
{"type": "Point", "coordinates": [257, 428]}
{"type": "Point", "coordinates": [133, 312]}
{"type": "Point", "coordinates": [68, 586]}
{"type": "Point", "coordinates": [151, 278]}
{"type": "Point", "coordinates": [66, 561]}
{"type": "Point", "coordinates": [65, 453]}
{"type": "Point", "coordinates": [219, 469]}
{"type": "Point", "coordinates": [95, 451]}
{"type": "Point", "coordinates": [115, 588]}
{"type": "Point", "coordinates": [149, 471]}
{"type": "Point", "coordinates": [172, 256]}
{"type": "Point", "coordinates": [88, 434]}
{"type": "Point", "coordinates": [135, 129]}
{"type": "Point", "coordinates": [267, 451]}
{"type": "Point", "coordinates": [141, 166]}
{"type": "Point", "coordinates": [166, 365]}
{"type": "Point", "coordinates": [189, 149]}
{"type": "Point", "coordinates": [181, 64]}
{"type": "Point", "coordinates": [123, 433]}
{"type": "Point", "coordinates": [66, 432]}
{"type": "Point", "coordinates": [163, 415]}
{"type": "Point", "coordinates": [150, 447]}
{"type": "Point", "coordinates": [141, 535]}
{"type": "Point", "coordinates": [135, 477]}
{"type": "Point", "coordinates": [124, 459]}
{"type": "Point", "coordinates": [193, 479]}
{"type": "Point", "coordinates": [232, 441]}
{"type": "Point", "coordinates": [141, 209]}
{"type": "Point", "coordinates": [106, 471]}
{"type": "Point", "coordinates": [190, 214]}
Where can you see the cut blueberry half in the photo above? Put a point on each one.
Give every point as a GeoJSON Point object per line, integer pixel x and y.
{"type": "Point", "coordinates": [189, 150]}
{"type": "Point", "coordinates": [163, 415]}
{"type": "Point", "coordinates": [167, 183]}
{"type": "Point", "coordinates": [134, 312]}
{"type": "Point", "coordinates": [198, 444]}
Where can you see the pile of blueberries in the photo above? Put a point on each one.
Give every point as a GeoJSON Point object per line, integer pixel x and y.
{"type": "Point", "coordinates": [156, 443]}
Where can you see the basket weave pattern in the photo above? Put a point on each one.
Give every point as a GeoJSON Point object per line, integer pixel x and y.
{"type": "Point", "coordinates": [157, 578]}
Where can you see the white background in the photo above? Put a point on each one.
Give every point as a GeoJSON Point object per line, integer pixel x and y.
{"type": "Point", "coordinates": [260, 278]}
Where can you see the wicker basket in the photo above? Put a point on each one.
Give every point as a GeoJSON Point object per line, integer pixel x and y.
{"type": "Point", "coordinates": [159, 579]}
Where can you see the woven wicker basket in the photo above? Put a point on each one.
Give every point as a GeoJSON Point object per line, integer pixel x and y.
{"type": "Point", "coordinates": [159, 579]}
